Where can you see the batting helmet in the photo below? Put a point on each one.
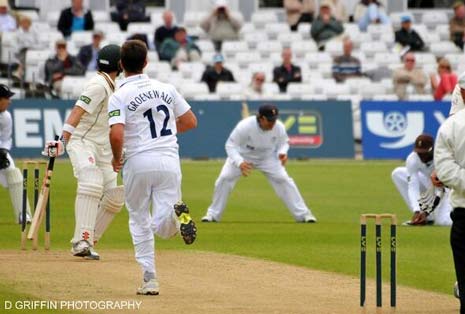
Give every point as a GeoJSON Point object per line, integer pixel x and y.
{"type": "Point", "coordinates": [108, 59]}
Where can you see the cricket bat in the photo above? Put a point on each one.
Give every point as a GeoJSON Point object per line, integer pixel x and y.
{"type": "Point", "coordinates": [39, 213]}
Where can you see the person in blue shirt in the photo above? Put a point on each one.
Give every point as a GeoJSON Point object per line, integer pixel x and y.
{"type": "Point", "coordinates": [75, 18]}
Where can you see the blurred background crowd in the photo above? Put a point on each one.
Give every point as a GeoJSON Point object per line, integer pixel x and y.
{"type": "Point", "coordinates": [219, 49]}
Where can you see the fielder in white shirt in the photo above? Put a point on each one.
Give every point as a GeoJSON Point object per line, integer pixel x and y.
{"type": "Point", "coordinates": [145, 115]}
{"type": "Point", "coordinates": [258, 142]}
{"type": "Point", "coordinates": [416, 187]}
{"type": "Point", "coordinates": [10, 176]}
{"type": "Point", "coordinates": [85, 137]}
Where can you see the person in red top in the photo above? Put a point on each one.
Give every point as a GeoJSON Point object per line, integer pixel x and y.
{"type": "Point", "coordinates": [443, 83]}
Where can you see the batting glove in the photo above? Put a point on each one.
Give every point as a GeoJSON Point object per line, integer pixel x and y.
{"type": "Point", "coordinates": [54, 148]}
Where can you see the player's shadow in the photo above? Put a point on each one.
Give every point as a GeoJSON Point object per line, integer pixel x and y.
{"type": "Point", "coordinates": [252, 222]}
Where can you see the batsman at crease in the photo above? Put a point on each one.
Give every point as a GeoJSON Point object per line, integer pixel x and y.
{"type": "Point", "coordinates": [85, 137]}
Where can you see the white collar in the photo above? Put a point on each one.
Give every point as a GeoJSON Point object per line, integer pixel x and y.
{"type": "Point", "coordinates": [133, 78]}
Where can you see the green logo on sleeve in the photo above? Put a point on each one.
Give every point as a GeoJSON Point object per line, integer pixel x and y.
{"type": "Point", "coordinates": [85, 99]}
{"type": "Point", "coordinates": [114, 113]}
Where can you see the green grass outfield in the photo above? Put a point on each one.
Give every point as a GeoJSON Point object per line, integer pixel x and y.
{"type": "Point", "coordinates": [257, 224]}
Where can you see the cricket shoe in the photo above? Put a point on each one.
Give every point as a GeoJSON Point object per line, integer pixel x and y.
{"type": "Point", "coordinates": [410, 223]}
{"type": "Point", "coordinates": [208, 218]}
{"type": "Point", "coordinates": [150, 287]}
{"type": "Point", "coordinates": [93, 256]}
{"type": "Point", "coordinates": [187, 227]}
{"type": "Point", "coordinates": [309, 218]}
{"type": "Point", "coordinates": [28, 219]}
{"type": "Point", "coordinates": [456, 290]}
{"type": "Point", "coordinates": [81, 248]}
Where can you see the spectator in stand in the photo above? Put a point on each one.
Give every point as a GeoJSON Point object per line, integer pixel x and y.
{"type": "Point", "coordinates": [457, 24]}
{"type": "Point", "coordinates": [88, 54]}
{"type": "Point", "coordinates": [27, 37]}
{"type": "Point", "coordinates": [213, 74]}
{"type": "Point", "coordinates": [443, 82]}
{"type": "Point", "coordinates": [7, 21]}
{"type": "Point", "coordinates": [167, 30]}
{"type": "Point", "coordinates": [346, 66]}
{"type": "Point", "coordinates": [370, 12]}
{"type": "Point", "coordinates": [256, 86]}
{"type": "Point", "coordinates": [221, 24]}
{"type": "Point", "coordinates": [299, 11]}
{"type": "Point", "coordinates": [142, 37]}
{"type": "Point", "coordinates": [179, 49]}
{"type": "Point", "coordinates": [339, 10]}
{"type": "Point", "coordinates": [129, 11]}
{"type": "Point", "coordinates": [407, 36]}
{"type": "Point", "coordinates": [286, 72]}
{"type": "Point", "coordinates": [60, 65]}
{"type": "Point", "coordinates": [407, 75]}
{"type": "Point", "coordinates": [325, 26]}
{"type": "Point", "coordinates": [75, 18]}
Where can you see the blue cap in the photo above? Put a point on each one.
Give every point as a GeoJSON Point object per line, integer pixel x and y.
{"type": "Point", "coordinates": [218, 58]}
{"type": "Point", "coordinates": [405, 18]}
{"type": "Point", "coordinates": [270, 112]}
{"type": "Point", "coordinates": [5, 92]}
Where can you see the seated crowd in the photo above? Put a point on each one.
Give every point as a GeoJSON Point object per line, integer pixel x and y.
{"type": "Point", "coordinates": [173, 44]}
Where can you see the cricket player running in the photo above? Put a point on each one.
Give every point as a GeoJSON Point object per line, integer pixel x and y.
{"type": "Point", "coordinates": [145, 115]}
{"type": "Point", "coordinates": [10, 176]}
{"type": "Point", "coordinates": [85, 137]}
{"type": "Point", "coordinates": [416, 188]}
{"type": "Point", "coordinates": [259, 142]}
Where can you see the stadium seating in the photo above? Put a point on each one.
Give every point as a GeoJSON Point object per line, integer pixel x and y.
{"type": "Point", "coordinates": [262, 38]}
{"type": "Point", "coordinates": [230, 90]}
{"type": "Point", "coordinates": [434, 17]}
{"type": "Point", "coordinates": [262, 18]}
{"type": "Point", "coordinates": [81, 38]}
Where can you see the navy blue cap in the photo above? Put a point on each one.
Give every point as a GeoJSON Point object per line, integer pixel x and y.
{"type": "Point", "coordinates": [270, 112]}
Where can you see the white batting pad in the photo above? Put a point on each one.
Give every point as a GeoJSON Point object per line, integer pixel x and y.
{"type": "Point", "coordinates": [15, 186]}
{"type": "Point", "coordinates": [112, 202]}
{"type": "Point", "coordinates": [89, 193]}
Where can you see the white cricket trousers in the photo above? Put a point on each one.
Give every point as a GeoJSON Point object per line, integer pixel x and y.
{"type": "Point", "coordinates": [3, 180]}
{"type": "Point", "coordinates": [151, 179]}
{"type": "Point", "coordinates": [276, 174]}
{"type": "Point", "coordinates": [441, 214]}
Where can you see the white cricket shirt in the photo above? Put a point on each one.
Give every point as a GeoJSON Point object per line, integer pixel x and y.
{"type": "Point", "coordinates": [449, 157]}
{"type": "Point", "coordinates": [250, 143]}
{"type": "Point", "coordinates": [93, 125]}
{"type": "Point", "coordinates": [148, 109]}
{"type": "Point", "coordinates": [457, 101]}
{"type": "Point", "coordinates": [6, 129]}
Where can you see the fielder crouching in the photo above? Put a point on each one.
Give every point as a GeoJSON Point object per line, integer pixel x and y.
{"type": "Point", "coordinates": [85, 137]}
{"type": "Point", "coordinates": [426, 197]}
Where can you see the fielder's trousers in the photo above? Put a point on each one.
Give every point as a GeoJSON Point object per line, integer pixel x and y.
{"type": "Point", "coordinates": [457, 242]}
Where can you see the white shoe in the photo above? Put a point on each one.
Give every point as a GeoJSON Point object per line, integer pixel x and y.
{"type": "Point", "coordinates": [208, 218]}
{"type": "Point", "coordinates": [150, 287]}
{"type": "Point", "coordinates": [456, 290]}
{"type": "Point", "coordinates": [309, 218]}
{"type": "Point", "coordinates": [28, 219]}
{"type": "Point", "coordinates": [81, 248]}
{"type": "Point", "coordinates": [94, 256]}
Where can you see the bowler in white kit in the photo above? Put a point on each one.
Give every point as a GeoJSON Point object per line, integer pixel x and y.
{"type": "Point", "coordinates": [145, 115]}
{"type": "Point", "coordinates": [258, 142]}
